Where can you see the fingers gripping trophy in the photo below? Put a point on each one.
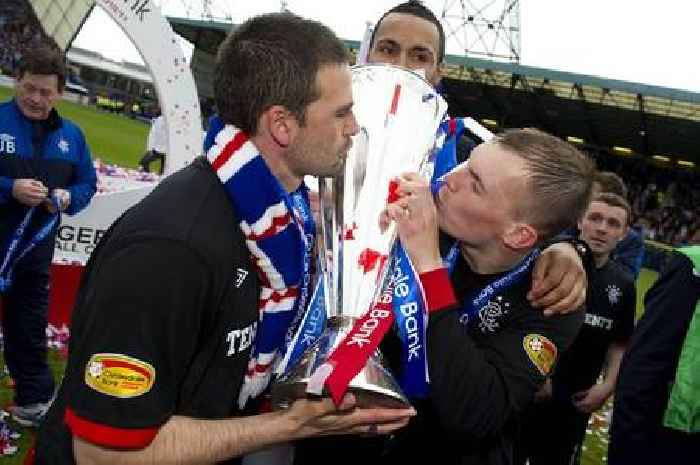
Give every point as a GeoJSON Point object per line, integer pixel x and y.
{"type": "Point", "coordinates": [399, 114]}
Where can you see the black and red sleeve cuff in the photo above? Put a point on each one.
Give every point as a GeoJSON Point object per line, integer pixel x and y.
{"type": "Point", "coordinates": [438, 289]}
{"type": "Point", "coordinates": [108, 436]}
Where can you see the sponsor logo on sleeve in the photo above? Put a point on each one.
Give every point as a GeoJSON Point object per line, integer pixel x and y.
{"type": "Point", "coordinates": [119, 375]}
{"type": "Point", "coordinates": [541, 351]}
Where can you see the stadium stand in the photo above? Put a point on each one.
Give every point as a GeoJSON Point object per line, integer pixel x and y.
{"type": "Point", "coordinates": [649, 135]}
{"type": "Point", "coordinates": [19, 30]}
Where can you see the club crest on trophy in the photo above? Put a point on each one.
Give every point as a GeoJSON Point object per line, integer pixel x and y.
{"type": "Point", "coordinates": [399, 114]}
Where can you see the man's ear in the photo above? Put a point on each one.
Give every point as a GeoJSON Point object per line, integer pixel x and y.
{"type": "Point", "coordinates": [280, 124]}
{"type": "Point", "coordinates": [520, 236]}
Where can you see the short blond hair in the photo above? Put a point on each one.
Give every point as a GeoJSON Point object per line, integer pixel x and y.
{"type": "Point", "coordinates": [560, 179]}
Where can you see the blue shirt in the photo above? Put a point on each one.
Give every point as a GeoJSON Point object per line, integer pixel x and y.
{"type": "Point", "coordinates": [53, 151]}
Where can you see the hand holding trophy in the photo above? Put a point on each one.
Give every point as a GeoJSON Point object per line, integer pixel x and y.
{"type": "Point", "coordinates": [399, 114]}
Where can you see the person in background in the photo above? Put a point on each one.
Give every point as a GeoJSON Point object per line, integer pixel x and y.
{"type": "Point", "coordinates": [656, 415]}
{"type": "Point", "coordinates": [45, 170]}
{"type": "Point", "coordinates": [629, 252]}
{"type": "Point", "coordinates": [554, 427]}
{"type": "Point", "coordinates": [156, 146]}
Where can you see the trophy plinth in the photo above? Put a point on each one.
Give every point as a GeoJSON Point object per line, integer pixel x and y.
{"type": "Point", "coordinates": [374, 386]}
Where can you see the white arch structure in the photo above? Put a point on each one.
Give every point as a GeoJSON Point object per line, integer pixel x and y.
{"type": "Point", "coordinates": [143, 23]}
{"type": "Point", "coordinates": [152, 35]}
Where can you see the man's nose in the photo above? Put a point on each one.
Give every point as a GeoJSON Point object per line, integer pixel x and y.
{"type": "Point", "coordinates": [402, 61]}
{"type": "Point", "coordinates": [353, 126]}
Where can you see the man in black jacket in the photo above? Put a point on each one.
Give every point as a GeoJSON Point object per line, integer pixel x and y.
{"type": "Point", "coordinates": [555, 426]}
{"type": "Point", "coordinates": [169, 373]}
{"type": "Point", "coordinates": [650, 371]}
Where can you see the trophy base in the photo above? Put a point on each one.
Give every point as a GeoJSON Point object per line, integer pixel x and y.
{"type": "Point", "coordinates": [374, 386]}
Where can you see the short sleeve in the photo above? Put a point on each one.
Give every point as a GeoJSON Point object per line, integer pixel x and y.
{"type": "Point", "coordinates": [625, 326]}
{"type": "Point", "coordinates": [136, 329]}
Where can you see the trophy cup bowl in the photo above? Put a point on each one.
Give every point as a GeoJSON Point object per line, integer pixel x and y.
{"type": "Point", "coordinates": [399, 114]}
{"type": "Point", "coordinates": [374, 386]}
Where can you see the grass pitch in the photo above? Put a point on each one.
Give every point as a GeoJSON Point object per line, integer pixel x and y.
{"type": "Point", "coordinates": [114, 138]}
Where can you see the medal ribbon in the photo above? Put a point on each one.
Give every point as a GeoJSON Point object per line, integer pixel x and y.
{"type": "Point", "coordinates": [14, 253]}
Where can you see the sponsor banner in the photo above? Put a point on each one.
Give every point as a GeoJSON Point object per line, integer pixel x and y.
{"type": "Point", "coordinates": [78, 235]}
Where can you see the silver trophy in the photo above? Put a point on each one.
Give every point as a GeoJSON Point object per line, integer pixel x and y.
{"type": "Point", "coordinates": [398, 113]}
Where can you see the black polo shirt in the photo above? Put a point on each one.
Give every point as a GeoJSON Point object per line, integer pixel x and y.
{"type": "Point", "coordinates": [482, 376]}
{"type": "Point", "coordinates": [610, 309]}
{"type": "Point", "coordinates": [163, 324]}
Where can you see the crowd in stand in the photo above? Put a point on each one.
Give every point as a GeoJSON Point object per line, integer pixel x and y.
{"type": "Point", "coordinates": [19, 30]}
{"type": "Point", "coordinates": [665, 202]}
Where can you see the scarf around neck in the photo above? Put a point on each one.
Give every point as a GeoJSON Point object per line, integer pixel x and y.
{"type": "Point", "coordinates": [279, 231]}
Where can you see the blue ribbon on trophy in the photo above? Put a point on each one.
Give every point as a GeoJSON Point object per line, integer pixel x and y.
{"type": "Point", "coordinates": [411, 319]}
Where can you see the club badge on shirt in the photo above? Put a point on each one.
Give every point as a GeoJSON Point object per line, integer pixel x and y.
{"type": "Point", "coordinates": [63, 146]}
{"type": "Point", "coordinates": [491, 314]}
{"type": "Point", "coordinates": [614, 294]}
{"type": "Point", "coordinates": [541, 351]}
{"type": "Point", "coordinates": [7, 143]}
{"type": "Point", "coordinates": [119, 375]}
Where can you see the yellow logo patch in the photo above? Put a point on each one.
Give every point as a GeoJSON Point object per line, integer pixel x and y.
{"type": "Point", "coordinates": [118, 375]}
{"type": "Point", "coordinates": [541, 351]}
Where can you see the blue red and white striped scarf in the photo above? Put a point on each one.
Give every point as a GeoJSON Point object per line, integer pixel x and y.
{"type": "Point", "coordinates": [278, 244]}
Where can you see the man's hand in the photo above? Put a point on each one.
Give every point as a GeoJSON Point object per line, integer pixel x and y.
{"type": "Point", "coordinates": [592, 399]}
{"type": "Point", "coordinates": [545, 392]}
{"type": "Point", "coordinates": [320, 417]}
{"type": "Point", "coordinates": [416, 219]}
{"type": "Point", "coordinates": [29, 192]}
{"type": "Point", "coordinates": [558, 280]}
{"type": "Point", "coordinates": [63, 197]}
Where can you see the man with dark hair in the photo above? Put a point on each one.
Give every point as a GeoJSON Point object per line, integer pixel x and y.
{"type": "Point", "coordinates": [629, 252]}
{"type": "Point", "coordinates": [410, 36]}
{"type": "Point", "coordinates": [168, 373]}
{"type": "Point", "coordinates": [607, 181]}
{"type": "Point", "coordinates": [491, 352]}
{"type": "Point", "coordinates": [556, 424]}
{"type": "Point", "coordinates": [45, 168]}
{"type": "Point", "coordinates": [405, 36]}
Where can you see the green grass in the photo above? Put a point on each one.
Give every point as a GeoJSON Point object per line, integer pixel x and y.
{"type": "Point", "coordinates": [113, 138]}
{"type": "Point", "coordinates": [57, 365]}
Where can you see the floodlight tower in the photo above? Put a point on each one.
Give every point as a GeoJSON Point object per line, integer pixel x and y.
{"type": "Point", "coordinates": [484, 28]}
